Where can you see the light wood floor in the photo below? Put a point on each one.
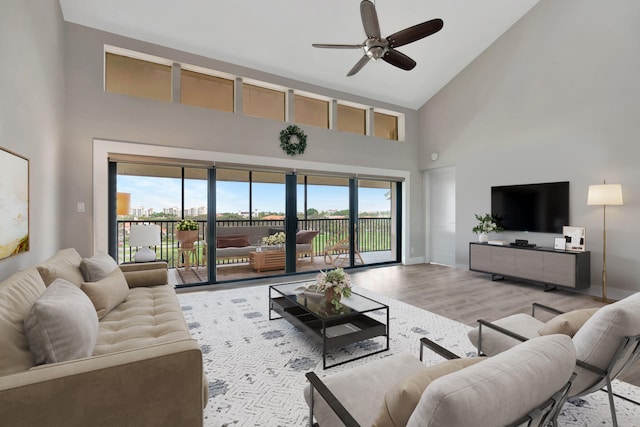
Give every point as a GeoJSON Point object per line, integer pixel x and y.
{"type": "Point", "coordinates": [457, 294]}
{"type": "Point", "coordinates": [463, 295]}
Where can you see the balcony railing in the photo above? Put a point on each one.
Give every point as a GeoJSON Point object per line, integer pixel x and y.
{"type": "Point", "coordinates": [374, 234]}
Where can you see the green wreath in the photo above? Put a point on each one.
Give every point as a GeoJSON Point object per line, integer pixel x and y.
{"type": "Point", "coordinates": [289, 147]}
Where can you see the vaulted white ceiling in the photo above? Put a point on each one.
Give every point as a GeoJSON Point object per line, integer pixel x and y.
{"type": "Point", "coordinates": [275, 36]}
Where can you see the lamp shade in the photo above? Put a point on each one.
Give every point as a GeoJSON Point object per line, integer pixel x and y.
{"type": "Point", "coordinates": [605, 194]}
{"type": "Point", "coordinates": [144, 235]}
{"type": "Point", "coordinates": [123, 201]}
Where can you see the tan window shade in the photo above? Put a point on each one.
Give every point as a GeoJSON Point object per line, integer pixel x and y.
{"type": "Point", "coordinates": [310, 111]}
{"type": "Point", "coordinates": [262, 102]}
{"type": "Point", "coordinates": [202, 90]}
{"type": "Point", "coordinates": [135, 77]}
{"type": "Point", "coordinates": [386, 126]}
{"type": "Point", "coordinates": [351, 119]}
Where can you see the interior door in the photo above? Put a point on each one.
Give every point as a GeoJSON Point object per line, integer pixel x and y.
{"type": "Point", "coordinates": [442, 215]}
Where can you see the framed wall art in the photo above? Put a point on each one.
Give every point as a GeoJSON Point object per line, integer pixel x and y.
{"type": "Point", "coordinates": [575, 238]}
{"type": "Point", "coordinates": [14, 204]}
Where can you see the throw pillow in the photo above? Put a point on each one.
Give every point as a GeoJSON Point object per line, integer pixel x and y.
{"type": "Point", "coordinates": [108, 293]}
{"type": "Point", "coordinates": [567, 323]}
{"type": "Point", "coordinates": [61, 325]}
{"type": "Point", "coordinates": [304, 237]}
{"type": "Point", "coordinates": [401, 400]}
{"type": "Point", "coordinates": [65, 264]}
{"type": "Point", "coordinates": [137, 279]}
{"type": "Point", "coordinates": [97, 267]}
{"type": "Point", "coordinates": [233, 241]}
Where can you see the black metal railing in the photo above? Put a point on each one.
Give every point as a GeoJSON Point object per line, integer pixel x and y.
{"type": "Point", "coordinates": [374, 234]}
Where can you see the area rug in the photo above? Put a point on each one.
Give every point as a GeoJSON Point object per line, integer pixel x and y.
{"type": "Point", "coordinates": [256, 366]}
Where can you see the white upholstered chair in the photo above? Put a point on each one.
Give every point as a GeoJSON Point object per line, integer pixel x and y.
{"type": "Point", "coordinates": [524, 386]}
{"type": "Point", "coordinates": [607, 340]}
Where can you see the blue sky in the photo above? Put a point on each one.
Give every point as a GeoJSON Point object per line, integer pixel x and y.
{"type": "Point", "coordinates": [159, 193]}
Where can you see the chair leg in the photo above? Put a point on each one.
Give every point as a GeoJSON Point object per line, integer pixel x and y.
{"type": "Point", "coordinates": [312, 392]}
{"type": "Point", "coordinates": [612, 406]}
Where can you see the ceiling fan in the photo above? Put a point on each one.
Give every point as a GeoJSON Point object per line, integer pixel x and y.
{"type": "Point", "coordinates": [375, 47]}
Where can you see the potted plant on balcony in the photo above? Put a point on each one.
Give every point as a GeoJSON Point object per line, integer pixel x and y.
{"type": "Point", "coordinates": [278, 240]}
{"type": "Point", "coordinates": [187, 232]}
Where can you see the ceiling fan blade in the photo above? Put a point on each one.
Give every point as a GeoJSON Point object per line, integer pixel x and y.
{"type": "Point", "coordinates": [370, 19]}
{"type": "Point", "coordinates": [399, 59]}
{"type": "Point", "coordinates": [417, 32]}
{"type": "Point", "coordinates": [363, 61]}
{"type": "Point", "coordinates": [338, 46]}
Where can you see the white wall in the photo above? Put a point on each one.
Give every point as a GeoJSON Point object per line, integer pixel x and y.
{"type": "Point", "coordinates": [555, 98]}
{"type": "Point", "coordinates": [93, 114]}
{"type": "Point", "coordinates": [31, 114]}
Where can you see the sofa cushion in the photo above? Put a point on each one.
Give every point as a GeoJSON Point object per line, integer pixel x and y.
{"type": "Point", "coordinates": [401, 400]}
{"type": "Point", "coordinates": [494, 342]}
{"type": "Point", "coordinates": [567, 323]}
{"type": "Point", "coordinates": [306, 236]}
{"type": "Point", "coordinates": [232, 241]}
{"type": "Point", "coordinates": [17, 294]}
{"type": "Point", "coordinates": [97, 267]}
{"type": "Point", "coordinates": [150, 315]}
{"type": "Point", "coordinates": [65, 264]}
{"type": "Point", "coordinates": [601, 335]}
{"type": "Point", "coordinates": [146, 277]}
{"type": "Point", "coordinates": [236, 252]}
{"type": "Point", "coordinates": [108, 293]}
{"type": "Point", "coordinates": [61, 325]}
{"type": "Point", "coordinates": [500, 389]}
{"type": "Point", "coordinates": [349, 387]}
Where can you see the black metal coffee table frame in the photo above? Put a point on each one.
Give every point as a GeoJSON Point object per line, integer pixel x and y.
{"type": "Point", "coordinates": [313, 316]}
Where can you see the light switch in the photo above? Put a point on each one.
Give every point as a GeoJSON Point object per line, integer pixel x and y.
{"type": "Point", "coordinates": [80, 207]}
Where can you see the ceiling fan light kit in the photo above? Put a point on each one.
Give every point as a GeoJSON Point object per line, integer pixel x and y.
{"type": "Point", "coordinates": [375, 47]}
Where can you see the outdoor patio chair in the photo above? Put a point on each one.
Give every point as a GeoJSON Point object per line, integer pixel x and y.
{"type": "Point", "coordinates": [524, 386]}
{"type": "Point", "coordinates": [336, 252]}
{"type": "Point", "coordinates": [607, 341]}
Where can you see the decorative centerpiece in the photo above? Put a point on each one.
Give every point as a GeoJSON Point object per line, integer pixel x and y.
{"type": "Point", "coordinates": [334, 284]}
{"type": "Point", "coordinates": [487, 224]}
{"type": "Point", "coordinates": [277, 240]}
{"type": "Point", "coordinates": [187, 232]}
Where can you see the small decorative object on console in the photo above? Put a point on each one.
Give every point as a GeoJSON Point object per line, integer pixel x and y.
{"type": "Point", "coordinates": [487, 224]}
{"type": "Point", "coordinates": [574, 237]}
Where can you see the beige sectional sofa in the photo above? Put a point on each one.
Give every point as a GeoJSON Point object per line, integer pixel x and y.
{"type": "Point", "coordinates": [141, 368]}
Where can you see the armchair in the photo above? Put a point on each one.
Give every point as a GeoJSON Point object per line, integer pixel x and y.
{"type": "Point", "coordinates": [606, 344]}
{"type": "Point", "coordinates": [525, 385]}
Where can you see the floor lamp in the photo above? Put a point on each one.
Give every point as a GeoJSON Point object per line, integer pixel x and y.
{"type": "Point", "coordinates": [603, 195]}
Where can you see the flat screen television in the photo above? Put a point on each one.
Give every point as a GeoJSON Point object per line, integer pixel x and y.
{"type": "Point", "coordinates": [542, 208]}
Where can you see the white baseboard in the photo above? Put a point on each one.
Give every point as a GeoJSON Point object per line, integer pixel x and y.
{"type": "Point", "coordinates": [414, 260]}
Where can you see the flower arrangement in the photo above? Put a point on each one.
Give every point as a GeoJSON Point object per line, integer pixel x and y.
{"type": "Point", "coordinates": [275, 239]}
{"type": "Point", "coordinates": [487, 224]}
{"type": "Point", "coordinates": [334, 284]}
{"type": "Point", "coordinates": [187, 224]}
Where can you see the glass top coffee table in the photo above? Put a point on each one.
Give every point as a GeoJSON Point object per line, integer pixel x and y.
{"type": "Point", "coordinates": [323, 323]}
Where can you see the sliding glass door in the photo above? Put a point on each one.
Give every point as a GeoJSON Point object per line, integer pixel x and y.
{"type": "Point", "coordinates": [376, 228]}
{"type": "Point", "coordinates": [255, 223]}
{"type": "Point", "coordinates": [250, 224]}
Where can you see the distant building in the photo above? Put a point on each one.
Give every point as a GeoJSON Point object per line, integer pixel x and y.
{"type": "Point", "coordinates": [171, 211]}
